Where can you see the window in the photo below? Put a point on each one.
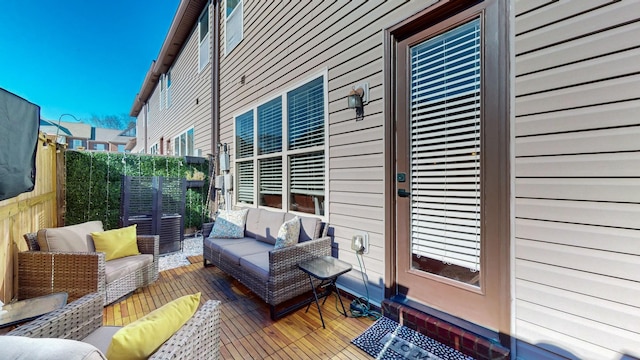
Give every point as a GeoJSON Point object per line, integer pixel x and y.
{"type": "Point", "coordinates": [154, 149]}
{"type": "Point", "coordinates": [121, 147]}
{"type": "Point", "coordinates": [76, 143]}
{"type": "Point", "coordinates": [203, 28]}
{"type": "Point", "coordinates": [100, 147]}
{"type": "Point", "coordinates": [162, 93]}
{"type": "Point", "coordinates": [233, 24]}
{"type": "Point", "coordinates": [168, 78]}
{"type": "Point", "coordinates": [183, 144]}
{"type": "Point", "coordinates": [280, 146]}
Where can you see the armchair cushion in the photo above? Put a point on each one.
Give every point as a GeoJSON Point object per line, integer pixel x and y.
{"type": "Point", "coordinates": [117, 243]}
{"type": "Point", "coordinates": [19, 347]}
{"type": "Point", "coordinates": [72, 238]}
{"type": "Point", "coordinates": [143, 337]}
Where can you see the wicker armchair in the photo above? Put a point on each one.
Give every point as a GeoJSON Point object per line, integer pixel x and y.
{"type": "Point", "coordinates": [199, 338]}
{"type": "Point", "coordinates": [78, 274]}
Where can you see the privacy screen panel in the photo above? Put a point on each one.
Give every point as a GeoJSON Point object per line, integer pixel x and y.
{"type": "Point", "coordinates": [19, 122]}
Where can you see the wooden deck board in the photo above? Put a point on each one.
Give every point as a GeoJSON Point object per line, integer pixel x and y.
{"type": "Point", "coordinates": [247, 331]}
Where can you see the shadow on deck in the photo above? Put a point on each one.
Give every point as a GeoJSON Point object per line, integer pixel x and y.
{"type": "Point", "coordinates": [247, 330]}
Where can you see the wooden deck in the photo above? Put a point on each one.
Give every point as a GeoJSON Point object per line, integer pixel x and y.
{"type": "Point", "coordinates": [247, 330]}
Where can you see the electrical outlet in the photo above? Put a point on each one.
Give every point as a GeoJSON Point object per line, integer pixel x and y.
{"type": "Point", "coordinates": [360, 243]}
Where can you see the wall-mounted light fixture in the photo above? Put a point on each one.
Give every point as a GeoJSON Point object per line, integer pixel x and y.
{"type": "Point", "coordinates": [357, 98]}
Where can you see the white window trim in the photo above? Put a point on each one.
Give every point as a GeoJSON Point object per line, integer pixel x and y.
{"type": "Point", "coordinates": [157, 147]}
{"type": "Point", "coordinates": [176, 141]}
{"type": "Point", "coordinates": [205, 40]}
{"type": "Point", "coordinates": [238, 9]}
{"type": "Point", "coordinates": [285, 153]}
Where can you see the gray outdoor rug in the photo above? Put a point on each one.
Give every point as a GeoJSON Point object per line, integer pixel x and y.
{"type": "Point", "coordinates": [386, 339]}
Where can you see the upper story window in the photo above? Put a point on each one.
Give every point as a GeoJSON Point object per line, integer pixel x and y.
{"type": "Point", "coordinates": [162, 92]}
{"type": "Point", "coordinates": [203, 29]}
{"type": "Point", "coordinates": [183, 144]}
{"type": "Point", "coordinates": [280, 151]}
{"type": "Point", "coordinates": [233, 32]}
{"type": "Point", "coordinates": [168, 79]}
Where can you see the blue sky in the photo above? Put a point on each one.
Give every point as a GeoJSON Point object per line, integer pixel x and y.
{"type": "Point", "coordinates": [81, 57]}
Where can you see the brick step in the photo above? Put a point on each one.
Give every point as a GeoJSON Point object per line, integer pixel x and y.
{"type": "Point", "coordinates": [451, 335]}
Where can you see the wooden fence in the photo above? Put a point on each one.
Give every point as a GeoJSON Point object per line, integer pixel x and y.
{"type": "Point", "coordinates": [29, 212]}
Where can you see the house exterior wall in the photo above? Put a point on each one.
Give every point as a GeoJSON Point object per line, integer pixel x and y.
{"type": "Point", "coordinates": [190, 101]}
{"type": "Point", "coordinates": [577, 168]}
{"type": "Point", "coordinates": [287, 43]}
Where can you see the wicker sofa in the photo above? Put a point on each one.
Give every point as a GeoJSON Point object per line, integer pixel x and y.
{"type": "Point", "coordinates": [272, 274]}
{"type": "Point", "coordinates": [198, 338]}
{"type": "Point", "coordinates": [82, 270]}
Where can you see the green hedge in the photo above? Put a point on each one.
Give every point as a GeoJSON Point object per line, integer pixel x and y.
{"type": "Point", "coordinates": [93, 185]}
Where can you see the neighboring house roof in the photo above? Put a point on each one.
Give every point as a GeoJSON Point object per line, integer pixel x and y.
{"type": "Point", "coordinates": [186, 17]}
{"type": "Point", "coordinates": [52, 128]}
{"type": "Point", "coordinates": [78, 130]}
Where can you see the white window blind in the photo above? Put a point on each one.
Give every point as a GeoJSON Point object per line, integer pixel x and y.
{"type": "Point", "coordinates": [271, 176]}
{"type": "Point", "coordinates": [233, 29]}
{"type": "Point", "coordinates": [270, 127]}
{"type": "Point", "coordinates": [244, 135]}
{"type": "Point", "coordinates": [203, 50]}
{"type": "Point", "coordinates": [245, 182]}
{"type": "Point", "coordinates": [307, 174]}
{"type": "Point", "coordinates": [305, 107]}
{"type": "Point", "coordinates": [445, 146]}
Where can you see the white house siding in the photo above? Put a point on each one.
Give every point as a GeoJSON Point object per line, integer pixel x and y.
{"type": "Point", "coordinates": [286, 43]}
{"type": "Point", "coordinates": [190, 100]}
{"type": "Point", "coordinates": [577, 186]}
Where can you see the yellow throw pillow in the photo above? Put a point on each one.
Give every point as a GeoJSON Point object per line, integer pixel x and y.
{"type": "Point", "coordinates": [143, 337]}
{"type": "Point", "coordinates": [116, 243]}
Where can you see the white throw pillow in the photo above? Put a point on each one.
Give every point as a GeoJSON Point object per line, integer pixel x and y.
{"type": "Point", "coordinates": [229, 224]}
{"type": "Point", "coordinates": [288, 234]}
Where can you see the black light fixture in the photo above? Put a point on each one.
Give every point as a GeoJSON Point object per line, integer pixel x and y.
{"type": "Point", "coordinates": [354, 100]}
{"type": "Point", "coordinates": [358, 97]}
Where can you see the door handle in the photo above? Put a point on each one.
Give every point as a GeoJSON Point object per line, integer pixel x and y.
{"type": "Point", "coordinates": [403, 193]}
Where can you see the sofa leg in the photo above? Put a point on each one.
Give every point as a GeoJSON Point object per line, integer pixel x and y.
{"type": "Point", "coordinates": [272, 312]}
{"type": "Point", "coordinates": [204, 263]}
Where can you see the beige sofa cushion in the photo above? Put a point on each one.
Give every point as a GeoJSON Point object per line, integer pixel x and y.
{"type": "Point", "coordinates": [20, 347]}
{"type": "Point", "coordinates": [72, 238]}
{"type": "Point", "coordinates": [117, 268]}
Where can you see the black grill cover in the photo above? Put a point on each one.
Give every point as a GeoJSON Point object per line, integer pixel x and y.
{"type": "Point", "coordinates": [19, 122]}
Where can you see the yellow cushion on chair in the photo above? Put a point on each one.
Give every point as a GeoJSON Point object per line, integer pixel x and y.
{"type": "Point", "coordinates": [143, 337]}
{"type": "Point", "coordinates": [116, 243]}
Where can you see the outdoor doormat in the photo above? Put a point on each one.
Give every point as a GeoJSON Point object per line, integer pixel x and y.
{"type": "Point", "coordinates": [386, 339]}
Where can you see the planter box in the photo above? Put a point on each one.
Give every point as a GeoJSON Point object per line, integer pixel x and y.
{"type": "Point", "coordinates": [194, 160]}
{"type": "Point", "coordinates": [195, 183]}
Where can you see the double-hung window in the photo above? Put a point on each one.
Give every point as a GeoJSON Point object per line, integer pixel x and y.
{"type": "Point", "coordinates": [203, 29]}
{"type": "Point", "coordinates": [168, 79]}
{"type": "Point", "coordinates": [280, 151]}
{"type": "Point", "coordinates": [234, 32]}
{"type": "Point", "coordinates": [162, 92]}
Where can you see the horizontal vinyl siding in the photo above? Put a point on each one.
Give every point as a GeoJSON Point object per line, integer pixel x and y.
{"type": "Point", "coordinates": [287, 42]}
{"type": "Point", "coordinates": [577, 168]}
{"type": "Point", "coordinates": [190, 100]}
